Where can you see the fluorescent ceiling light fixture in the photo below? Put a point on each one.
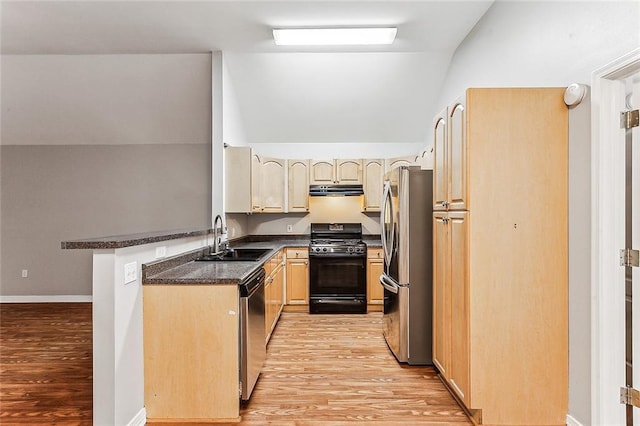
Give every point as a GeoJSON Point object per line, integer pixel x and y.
{"type": "Point", "coordinates": [333, 36]}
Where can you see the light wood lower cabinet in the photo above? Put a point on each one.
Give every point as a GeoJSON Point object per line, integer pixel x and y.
{"type": "Point", "coordinates": [273, 292]}
{"type": "Point", "coordinates": [375, 267]}
{"type": "Point", "coordinates": [191, 352]}
{"type": "Point", "coordinates": [298, 277]}
{"type": "Point", "coordinates": [441, 294]}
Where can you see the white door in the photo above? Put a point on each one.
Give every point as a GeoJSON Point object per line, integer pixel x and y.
{"type": "Point", "coordinates": [616, 288]}
{"type": "Point", "coordinates": [632, 203]}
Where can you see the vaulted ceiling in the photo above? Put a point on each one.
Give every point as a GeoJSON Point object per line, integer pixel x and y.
{"type": "Point", "coordinates": [372, 94]}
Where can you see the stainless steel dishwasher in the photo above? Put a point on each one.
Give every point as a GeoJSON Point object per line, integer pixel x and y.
{"type": "Point", "coordinates": [252, 331]}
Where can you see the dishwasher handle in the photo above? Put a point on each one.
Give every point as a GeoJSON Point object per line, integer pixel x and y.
{"type": "Point", "coordinates": [250, 284]}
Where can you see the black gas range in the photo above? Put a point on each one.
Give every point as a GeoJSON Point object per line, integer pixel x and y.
{"type": "Point", "coordinates": [337, 269]}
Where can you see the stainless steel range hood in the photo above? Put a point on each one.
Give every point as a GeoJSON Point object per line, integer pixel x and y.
{"type": "Point", "coordinates": [324, 190]}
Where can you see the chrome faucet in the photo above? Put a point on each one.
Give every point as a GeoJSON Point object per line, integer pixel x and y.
{"type": "Point", "coordinates": [219, 235]}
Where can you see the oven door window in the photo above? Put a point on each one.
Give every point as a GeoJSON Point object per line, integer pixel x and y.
{"type": "Point", "coordinates": [337, 276]}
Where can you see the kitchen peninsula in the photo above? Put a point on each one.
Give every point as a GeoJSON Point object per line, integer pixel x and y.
{"type": "Point", "coordinates": [153, 261]}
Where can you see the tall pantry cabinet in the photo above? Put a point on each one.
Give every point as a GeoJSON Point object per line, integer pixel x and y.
{"type": "Point", "coordinates": [501, 254]}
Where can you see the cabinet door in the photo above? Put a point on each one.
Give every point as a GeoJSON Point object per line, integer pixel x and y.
{"type": "Point", "coordinates": [348, 171]}
{"type": "Point", "coordinates": [298, 185]}
{"type": "Point", "coordinates": [268, 307]}
{"type": "Point", "coordinates": [297, 281]}
{"type": "Point", "coordinates": [458, 228]}
{"type": "Point", "coordinates": [426, 158]}
{"type": "Point", "coordinates": [321, 172]}
{"type": "Point", "coordinates": [375, 267]}
{"type": "Point", "coordinates": [176, 323]}
{"type": "Point", "coordinates": [373, 171]}
{"type": "Point", "coordinates": [392, 163]}
{"type": "Point", "coordinates": [457, 157]}
{"type": "Point", "coordinates": [278, 292]}
{"type": "Point", "coordinates": [272, 185]}
{"type": "Point", "coordinates": [441, 294]}
{"type": "Point", "coordinates": [256, 169]}
{"type": "Point", "coordinates": [237, 172]}
{"type": "Point", "coordinates": [440, 172]}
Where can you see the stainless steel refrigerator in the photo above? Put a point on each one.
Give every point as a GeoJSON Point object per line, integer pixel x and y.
{"type": "Point", "coordinates": [406, 222]}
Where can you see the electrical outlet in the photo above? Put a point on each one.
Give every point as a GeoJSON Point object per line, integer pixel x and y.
{"type": "Point", "coordinates": [289, 228]}
{"type": "Point", "coordinates": [25, 273]}
{"type": "Point", "coordinates": [130, 272]}
{"type": "Point", "coordinates": [161, 251]}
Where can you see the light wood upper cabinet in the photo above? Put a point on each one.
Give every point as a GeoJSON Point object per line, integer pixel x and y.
{"type": "Point", "coordinates": [372, 184]}
{"type": "Point", "coordinates": [425, 158]}
{"type": "Point", "coordinates": [322, 172]}
{"type": "Point", "coordinates": [457, 157]}
{"type": "Point", "coordinates": [450, 158]}
{"type": "Point", "coordinates": [328, 172]}
{"type": "Point", "coordinates": [375, 267]}
{"type": "Point", "coordinates": [501, 254]}
{"type": "Point", "coordinates": [440, 162]}
{"type": "Point", "coordinates": [348, 171]}
{"type": "Point", "coordinates": [298, 185]}
{"type": "Point", "coordinates": [297, 276]}
{"type": "Point", "coordinates": [272, 185]}
{"type": "Point", "coordinates": [254, 184]}
{"type": "Point", "coordinates": [409, 160]}
{"type": "Point", "coordinates": [238, 169]}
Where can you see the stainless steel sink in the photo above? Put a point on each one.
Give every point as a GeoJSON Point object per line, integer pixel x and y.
{"type": "Point", "coordinates": [240, 255]}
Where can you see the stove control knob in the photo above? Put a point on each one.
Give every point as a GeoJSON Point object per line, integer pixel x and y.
{"type": "Point", "coordinates": [324, 249]}
{"type": "Point", "coordinates": [349, 249]}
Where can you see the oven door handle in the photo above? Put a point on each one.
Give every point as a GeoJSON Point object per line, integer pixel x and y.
{"type": "Point", "coordinates": [388, 283]}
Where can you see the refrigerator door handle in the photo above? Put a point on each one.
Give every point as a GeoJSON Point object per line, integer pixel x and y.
{"type": "Point", "coordinates": [387, 204]}
{"type": "Point", "coordinates": [388, 283]}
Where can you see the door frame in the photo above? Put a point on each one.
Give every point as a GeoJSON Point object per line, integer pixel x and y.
{"type": "Point", "coordinates": [607, 238]}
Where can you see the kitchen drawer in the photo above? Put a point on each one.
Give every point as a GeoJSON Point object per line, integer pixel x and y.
{"type": "Point", "coordinates": [298, 253]}
{"type": "Point", "coordinates": [374, 253]}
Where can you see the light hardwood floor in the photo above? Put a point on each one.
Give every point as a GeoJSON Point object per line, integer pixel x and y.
{"type": "Point", "coordinates": [336, 369]}
{"type": "Point", "coordinates": [320, 370]}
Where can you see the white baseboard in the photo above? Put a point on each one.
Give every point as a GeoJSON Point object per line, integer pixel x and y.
{"type": "Point", "coordinates": [572, 422]}
{"type": "Point", "coordinates": [46, 299]}
{"type": "Point", "coordinates": [140, 419]}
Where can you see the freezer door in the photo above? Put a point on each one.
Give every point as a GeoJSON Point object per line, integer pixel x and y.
{"type": "Point", "coordinates": [394, 318]}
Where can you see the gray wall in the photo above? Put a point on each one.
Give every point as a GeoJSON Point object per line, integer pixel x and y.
{"type": "Point", "coordinates": [554, 44]}
{"type": "Point", "coordinates": [97, 145]}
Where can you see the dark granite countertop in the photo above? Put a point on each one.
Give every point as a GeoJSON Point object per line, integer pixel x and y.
{"type": "Point", "coordinates": [120, 241]}
{"type": "Point", "coordinates": [183, 269]}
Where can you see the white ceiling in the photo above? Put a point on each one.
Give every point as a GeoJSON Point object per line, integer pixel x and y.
{"type": "Point", "coordinates": [377, 93]}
